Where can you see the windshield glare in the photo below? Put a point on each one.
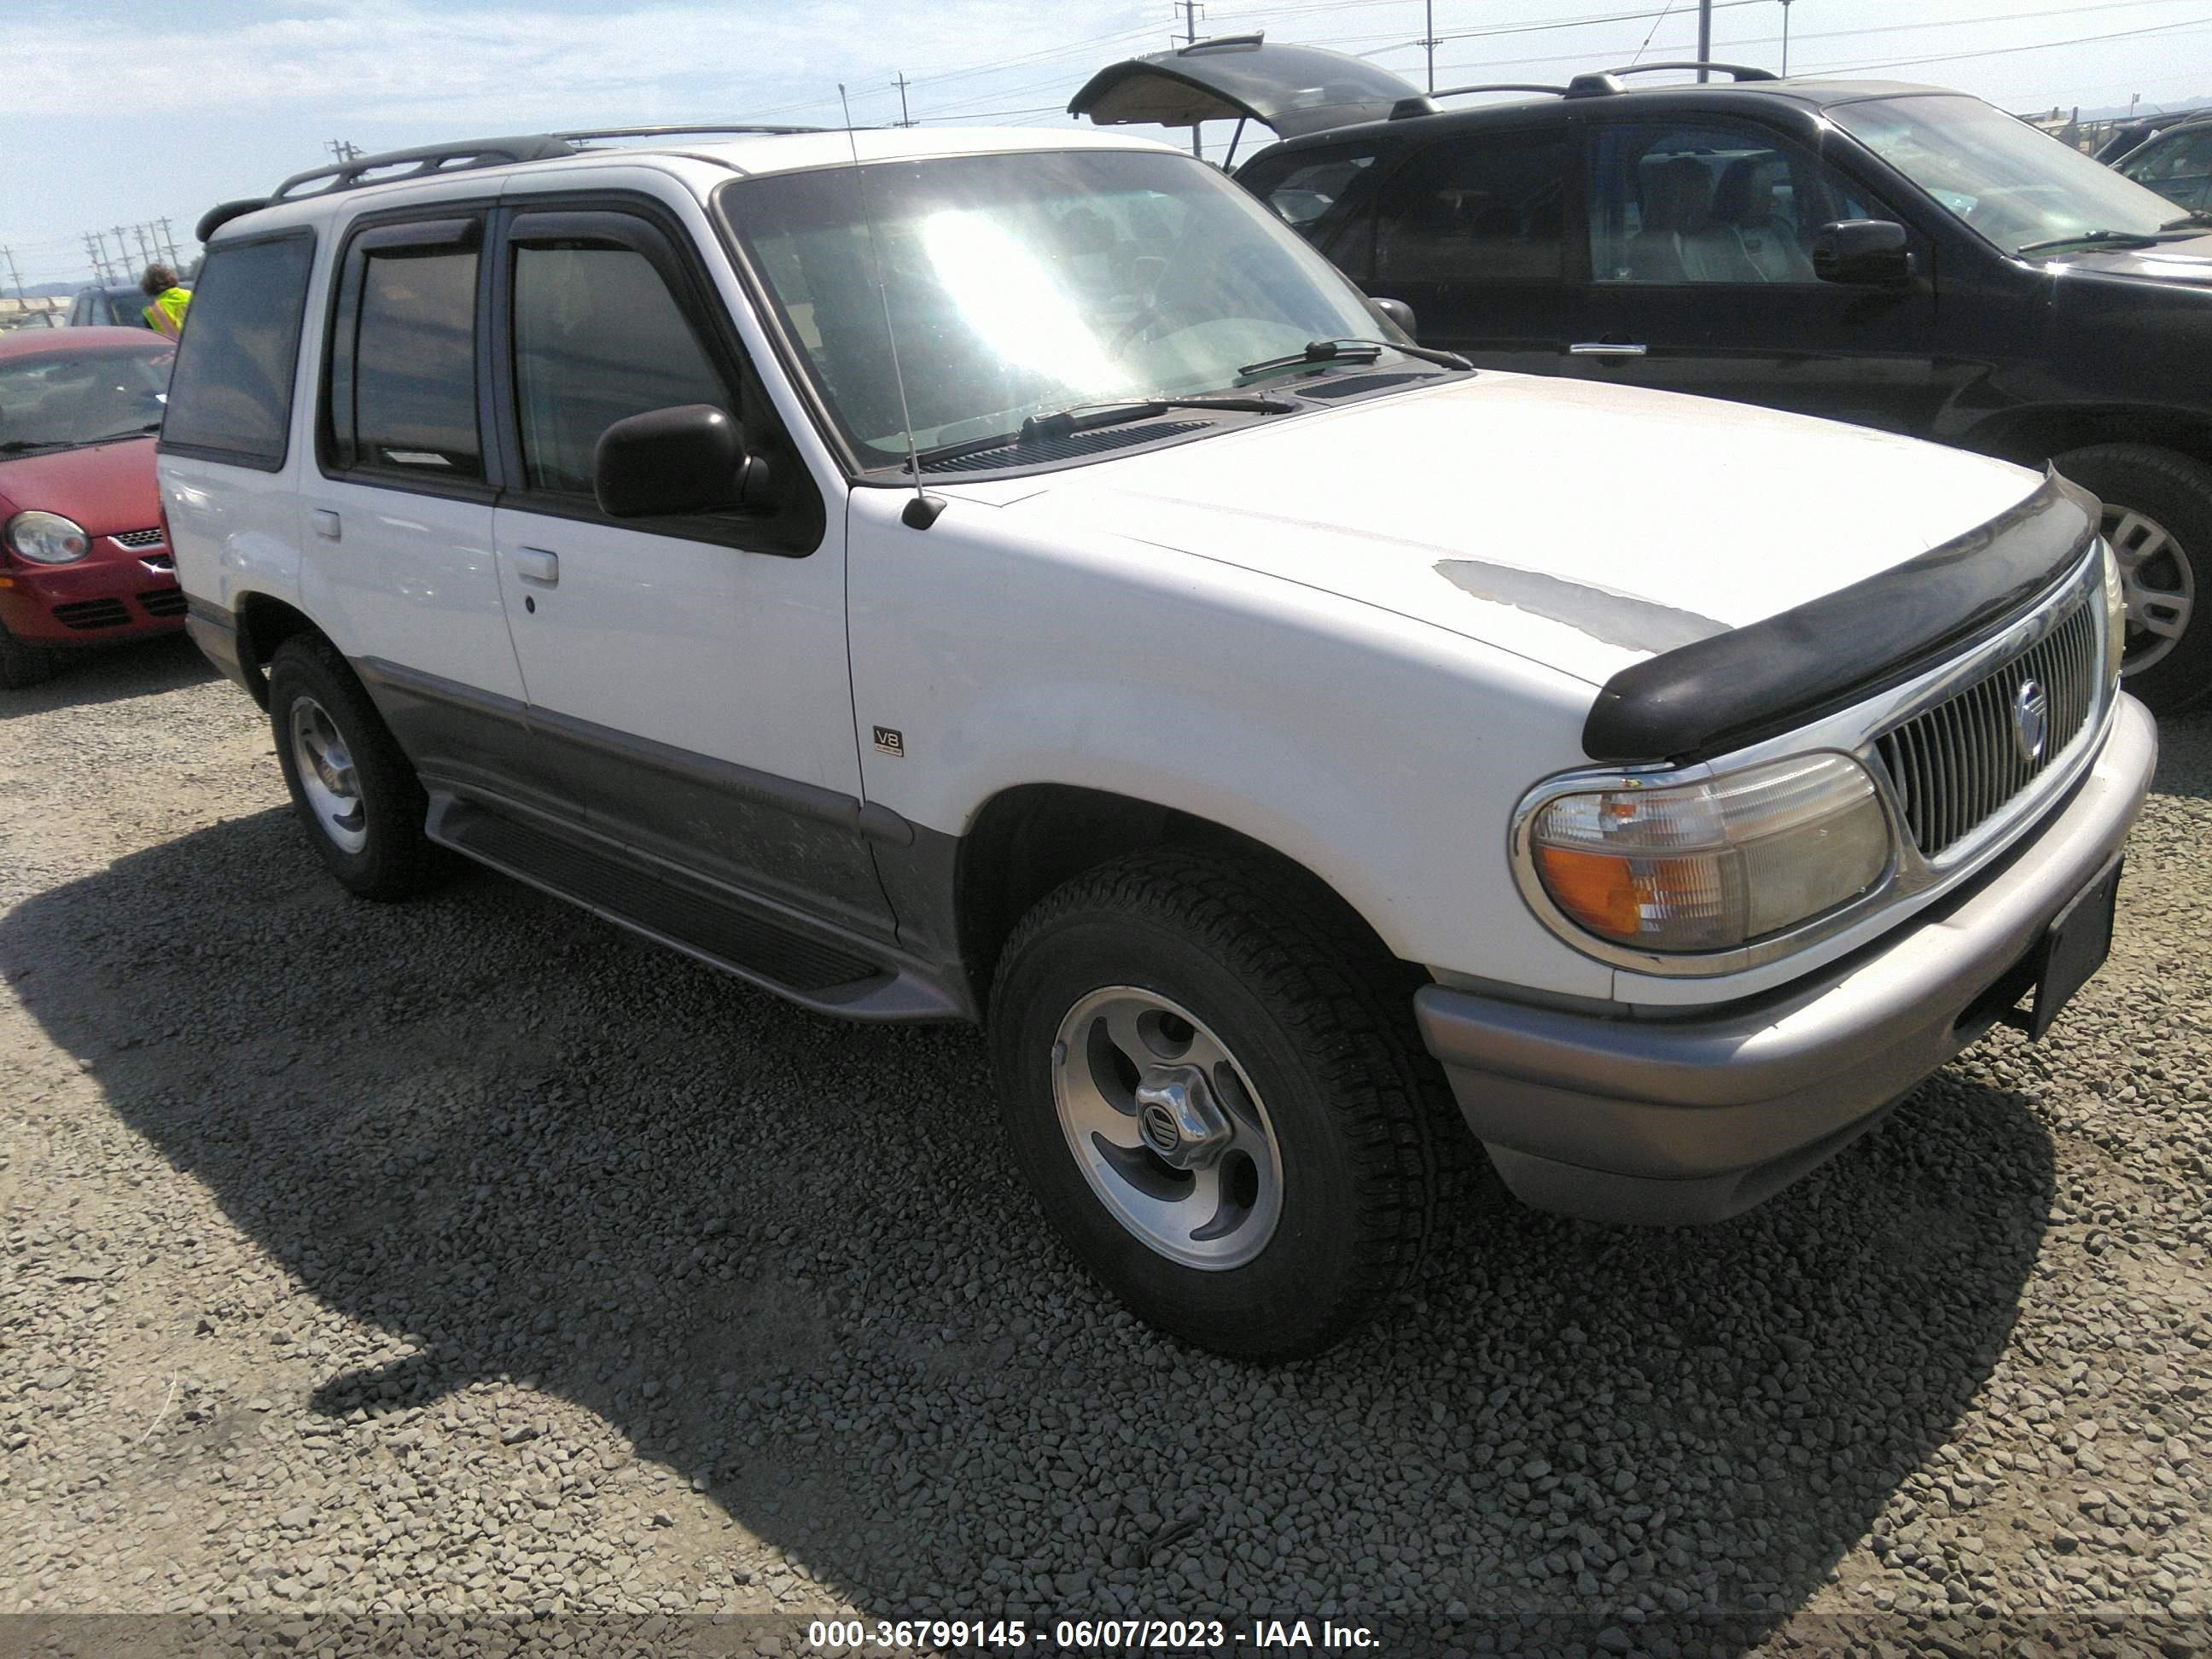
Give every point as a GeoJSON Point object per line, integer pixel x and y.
{"type": "Point", "coordinates": [1026, 283]}
{"type": "Point", "coordinates": [56, 400]}
{"type": "Point", "coordinates": [2003, 178]}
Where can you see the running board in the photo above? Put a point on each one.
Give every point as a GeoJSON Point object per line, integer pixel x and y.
{"type": "Point", "coordinates": [698, 918]}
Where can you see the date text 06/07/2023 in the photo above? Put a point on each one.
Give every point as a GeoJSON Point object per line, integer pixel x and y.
{"type": "Point", "coordinates": [1085, 1635]}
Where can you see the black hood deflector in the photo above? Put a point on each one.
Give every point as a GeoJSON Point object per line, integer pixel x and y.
{"type": "Point", "coordinates": [1756, 682]}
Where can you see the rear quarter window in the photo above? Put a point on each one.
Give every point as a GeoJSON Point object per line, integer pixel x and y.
{"type": "Point", "coordinates": [230, 399]}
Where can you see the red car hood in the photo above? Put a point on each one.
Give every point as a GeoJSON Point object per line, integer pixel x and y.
{"type": "Point", "coordinates": [106, 487]}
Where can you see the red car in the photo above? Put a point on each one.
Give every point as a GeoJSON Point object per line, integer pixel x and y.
{"type": "Point", "coordinates": [83, 559]}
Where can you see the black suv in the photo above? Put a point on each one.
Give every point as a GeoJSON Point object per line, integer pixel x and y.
{"type": "Point", "coordinates": [1897, 256]}
{"type": "Point", "coordinates": [2177, 163]}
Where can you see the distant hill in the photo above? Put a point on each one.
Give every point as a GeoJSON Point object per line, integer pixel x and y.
{"type": "Point", "coordinates": [52, 290]}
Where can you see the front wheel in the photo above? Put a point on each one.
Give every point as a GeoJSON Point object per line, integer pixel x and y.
{"type": "Point", "coordinates": [2158, 522]}
{"type": "Point", "coordinates": [352, 786]}
{"type": "Point", "coordinates": [1212, 1082]}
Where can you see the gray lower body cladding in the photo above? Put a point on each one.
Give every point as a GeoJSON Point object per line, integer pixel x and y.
{"type": "Point", "coordinates": [1683, 1121]}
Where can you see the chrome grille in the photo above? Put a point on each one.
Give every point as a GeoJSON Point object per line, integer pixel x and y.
{"type": "Point", "coordinates": [138, 538]}
{"type": "Point", "coordinates": [1956, 765]}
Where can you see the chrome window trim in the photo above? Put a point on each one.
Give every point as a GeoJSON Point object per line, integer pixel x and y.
{"type": "Point", "coordinates": [1910, 879]}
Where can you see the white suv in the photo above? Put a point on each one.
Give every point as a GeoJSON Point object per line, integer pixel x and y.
{"type": "Point", "coordinates": [996, 574]}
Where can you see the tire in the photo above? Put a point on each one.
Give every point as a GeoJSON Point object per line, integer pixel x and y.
{"type": "Point", "coordinates": [2158, 522]}
{"type": "Point", "coordinates": [23, 665]}
{"type": "Point", "coordinates": [1325, 1211]}
{"type": "Point", "coordinates": [363, 808]}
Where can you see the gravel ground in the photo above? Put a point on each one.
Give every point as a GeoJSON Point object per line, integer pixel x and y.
{"type": "Point", "coordinates": [466, 1257]}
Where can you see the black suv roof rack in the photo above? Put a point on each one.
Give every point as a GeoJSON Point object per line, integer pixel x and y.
{"type": "Point", "coordinates": [458, 155]}
{"type": "Point", "coordinates": [1604, 84]}
{"type": "Point", "coordinates": [1406, 108]}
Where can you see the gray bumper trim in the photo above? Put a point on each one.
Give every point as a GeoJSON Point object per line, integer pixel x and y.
{"type": "Point", "coordinates": [1693, 1119]}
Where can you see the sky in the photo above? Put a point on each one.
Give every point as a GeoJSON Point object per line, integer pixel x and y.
{"type": "Point", "coordinates": [117, 111]}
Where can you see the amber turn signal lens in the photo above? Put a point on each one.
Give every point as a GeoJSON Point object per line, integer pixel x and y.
{"type": "Point", "coordinates": [1598, 889]}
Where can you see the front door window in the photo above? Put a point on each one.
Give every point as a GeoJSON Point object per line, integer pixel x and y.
{"type": "Point", "coordinates": [1710, 202]}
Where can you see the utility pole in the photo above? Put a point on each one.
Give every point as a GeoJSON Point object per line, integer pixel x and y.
{"type": "Point", "coordinates": [1785, 40]}
{"type": "Point", "coordinates": [1190, 38]}
{"type": "Point", "coordinates": [168, 241]}
{"type": "Point", "coordinates": [15, 276]}
{"type": "Point", "coordinates": [145, 250]}
{"type": "Point", "coordinates": [96, 255]}
{"type": "Point", "coordinates": [903, 83]}
{"type": "Point", "coordinates": [122, 252]}
{"type": "Point", "coordinates": [343, 150]}
{"type": "Point", "coordinates": [1429, 38]}
{"type": "Point", "coordinates": [1704, 36]}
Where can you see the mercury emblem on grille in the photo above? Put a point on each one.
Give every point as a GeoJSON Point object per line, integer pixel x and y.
{"type": "Point", "coordinates": [2031, 720]}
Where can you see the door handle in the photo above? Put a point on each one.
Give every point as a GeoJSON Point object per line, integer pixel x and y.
{"type": "Point", "coordinates": [1605, 349]}
{"type": "Point", "coordinates": [535, 564]}
{"type": "Point", "coordinates": [326, 524]}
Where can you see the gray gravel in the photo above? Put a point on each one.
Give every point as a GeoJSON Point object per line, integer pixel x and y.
{"type": "Point", "coordinates": [467, 1257]}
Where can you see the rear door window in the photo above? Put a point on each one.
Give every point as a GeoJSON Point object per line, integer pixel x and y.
{"type": "Point", "coordinates": [402, 389]}
{"type": "Point", "coordinates": [230, 397]}
{"type": "Point", "coordinates": [1488, 208]}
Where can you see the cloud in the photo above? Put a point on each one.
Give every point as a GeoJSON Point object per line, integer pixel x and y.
{"type": "Point", "coordinates": [407, 61]}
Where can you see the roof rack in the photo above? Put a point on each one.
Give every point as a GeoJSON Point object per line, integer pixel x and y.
{"type": "Point", "coordinates": [1604, 84]}
{"type": "Point", "coordinates": [460, 156]}
{"type": "Point", "coordinates": [1406, 108]}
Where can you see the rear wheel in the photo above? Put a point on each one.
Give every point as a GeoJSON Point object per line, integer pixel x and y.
{"type": "Point", "coordinates": [1210, 1077]}
{"type": "Point", "coordinates": [22, 665]}
{"type": "Point", "coordinates": [2158, 522]}
{"type": "Point", "coordinates": [351, 788]}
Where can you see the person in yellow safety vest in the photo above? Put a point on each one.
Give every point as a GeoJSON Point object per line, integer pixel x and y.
{"type": "Point", "coordinates": [167, 314]}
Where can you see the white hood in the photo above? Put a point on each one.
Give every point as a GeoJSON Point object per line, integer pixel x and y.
{"type": "Point", "coordinates": [1581, 525]}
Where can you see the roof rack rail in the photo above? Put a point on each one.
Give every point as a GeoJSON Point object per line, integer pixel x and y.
{"type": "Point", "coordinates": [1605, 83]}
{"type": "Point", "coordinates": [586, 135]}
{"type": "Point", "coordinates": [458, 155]}
{"type": "Point", "coordinates": [423, 160]}
{"type": "Point", "coordinates": [1406, 108]}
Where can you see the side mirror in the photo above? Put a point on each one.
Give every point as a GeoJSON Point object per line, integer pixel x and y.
{"type": "Point", "coordinates": [1397, 312]}
{"type": "Point", "coordinates": [685, 460]}
{"type": "Point", "coordinates": [1870, 252]}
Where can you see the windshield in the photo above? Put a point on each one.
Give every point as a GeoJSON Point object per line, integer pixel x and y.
{"type": "Point", "coordinates": [1027, 282]}
{"type": "Point", "coordinates": [2016, 185]}
{"type": "Point", "coordinates": [54, 400]}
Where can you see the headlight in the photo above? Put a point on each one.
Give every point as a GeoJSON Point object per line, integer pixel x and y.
{"type": "Point", "coordinates": [2115, 612]}
{"type": "Point", "coordinates": [1713, 865]}
{"type": "Point", "coordinates": [48, 538]}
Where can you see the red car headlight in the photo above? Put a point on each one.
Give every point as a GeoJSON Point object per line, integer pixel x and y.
{"type": "Point", "coordinates": [46, 539]}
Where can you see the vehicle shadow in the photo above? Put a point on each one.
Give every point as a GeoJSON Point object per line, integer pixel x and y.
{"type": "Point", "coordinates": [2184, 755]}
{"type": "Point", "coordinates": [783, 1257]}
{"type": "Point", "coordinates": [111, 674]}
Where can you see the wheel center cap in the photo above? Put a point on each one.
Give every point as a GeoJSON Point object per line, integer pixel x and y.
{"type": "Point", "coordinates": [1178, 1119]}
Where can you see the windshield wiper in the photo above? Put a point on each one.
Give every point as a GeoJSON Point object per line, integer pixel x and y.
{"type": "Point", "coordinates": [1084, 418]}
{"type": "Point", "coordinates": [2195, 218]}
{"type": "Point", "coordinates": [24, 445]}
{"type": "Point", "coordinates": [1350, 349]}
{"type": "Point", "coordinates": [2092, 238]}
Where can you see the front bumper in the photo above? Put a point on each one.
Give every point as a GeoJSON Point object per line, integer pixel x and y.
{"type": "Point", "coordinates": [114, 596]}
{"type": "Point", "coordinates": [1676, 1121]}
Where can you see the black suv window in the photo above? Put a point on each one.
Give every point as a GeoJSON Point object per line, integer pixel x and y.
{"type": "Point", "coordinates": [1314, 192]}
{"type": "Point", "coordinates": [230, 397]}
{"type": "Point", "coordinates": [1486, 207]}
{"type": "Point", "coordinates": [598, 338]}
{"type": "Point", "coordinates": [1709, 202]}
